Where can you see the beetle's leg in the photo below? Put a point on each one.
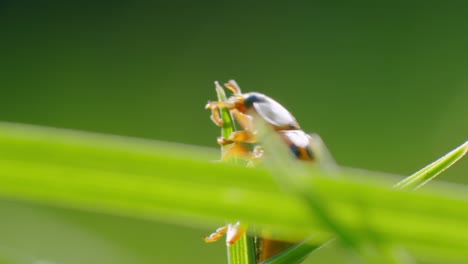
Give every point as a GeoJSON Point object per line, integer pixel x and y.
{"type": "Point", "coordinates": [257, 152]}
{"type": "Point", "coordinates": [234, 232]}
{"type": "Point", "coordinates": [241, 136]}
{"type": "Point", "coordinates": [215, 114]}
{"type": "Point", "coordinates": [214, 104]}
{"type": "Point", "coordinates": [244, 120]}
{"type": "Point", "coordinates": [237, 150]}
{"type": "Point", "coordinates": [257, 155]}
{"type": "Point", "coordinates": [234, 87]}
{"type": "Point", "coordinates": [213, 237]}
{"type": "Point", "coordinates": [216, 117]}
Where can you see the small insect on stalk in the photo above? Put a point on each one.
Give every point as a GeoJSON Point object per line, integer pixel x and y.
{"type": "Point", "coordinates": [244, 107]}
{"type": "Point", "coordinates": [244, 251]}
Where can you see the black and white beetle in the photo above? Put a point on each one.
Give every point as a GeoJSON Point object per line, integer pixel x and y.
{"type": "Point", "coordinates": [244, 107]}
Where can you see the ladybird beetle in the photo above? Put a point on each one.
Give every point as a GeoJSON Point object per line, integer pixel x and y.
{"type": "Point", "coordinates": [244, 107]}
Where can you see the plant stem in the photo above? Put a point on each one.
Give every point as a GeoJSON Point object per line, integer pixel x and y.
{"type": "Point", "coordinates": [243, 251]}
{"type": "Point", "coordinates": [432, 170]}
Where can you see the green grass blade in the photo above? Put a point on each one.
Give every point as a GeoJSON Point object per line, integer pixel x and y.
{"type": "Point", "coordinates": [177, 184]}
{"type": "Point", "coordinates": [431, 171]}
{"type": "Point", "coordinates": [242, 252]}
{"type": "Point", "coordinates": [228, 126]}
{"type": "Point", "coordinates": [295, 254]}
{"type": "Point", "coordinates": [289, 175]}
{"type": "Point", "coordinates": [414, 181]}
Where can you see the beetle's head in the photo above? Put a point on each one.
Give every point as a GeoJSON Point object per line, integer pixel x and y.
{"type": "Point", "coordinates": [234, 87]}
{"type": "Point", "coordinates": [251, 98]}
{"type": "Point", "coordinates": [239, 103]}
{"type": "Point", "coordinates": [245, 102]}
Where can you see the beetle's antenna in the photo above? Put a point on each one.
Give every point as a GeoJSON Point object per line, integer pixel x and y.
{"type": "Point", "coordinates": [233, 86]}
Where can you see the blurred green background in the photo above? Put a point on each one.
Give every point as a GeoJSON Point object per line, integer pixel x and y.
{"type": "Point", "coordinates": [384, 84]}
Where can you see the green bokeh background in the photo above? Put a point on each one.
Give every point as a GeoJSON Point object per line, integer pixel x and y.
{"type": "Point", "coordinates": [384, 84]}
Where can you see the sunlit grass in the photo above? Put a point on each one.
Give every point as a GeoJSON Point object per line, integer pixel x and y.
{"type": "Point", "coordinates": [179, 184]}
{"type": "Point", "coordinates": [300, 251]}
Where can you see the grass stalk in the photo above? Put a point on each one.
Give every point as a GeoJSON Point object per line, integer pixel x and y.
{"type": "Point", "coordinates": [243, 251]}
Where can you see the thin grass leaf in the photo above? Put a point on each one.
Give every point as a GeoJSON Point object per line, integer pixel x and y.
{"type": "Point", "coordinates": [295, 254]}
{"type": "Point", "coordinates": [174, 183]}
{"type": "Point", "coordinates": [242, 251]}
{"type": "Point", "coordinates": [228, 125]}
{"type": "Point", "coordinates": [289, 175]}
{"type": "Point", "coordinates": [426, 174]}
{"type": "Point", "coordinates": [414, 181]}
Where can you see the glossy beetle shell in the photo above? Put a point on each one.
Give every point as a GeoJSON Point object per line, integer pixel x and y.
{"type": "Point", "coordinates": [270, 110]}
{"type": "Point", "coordinates": [299, 143]}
